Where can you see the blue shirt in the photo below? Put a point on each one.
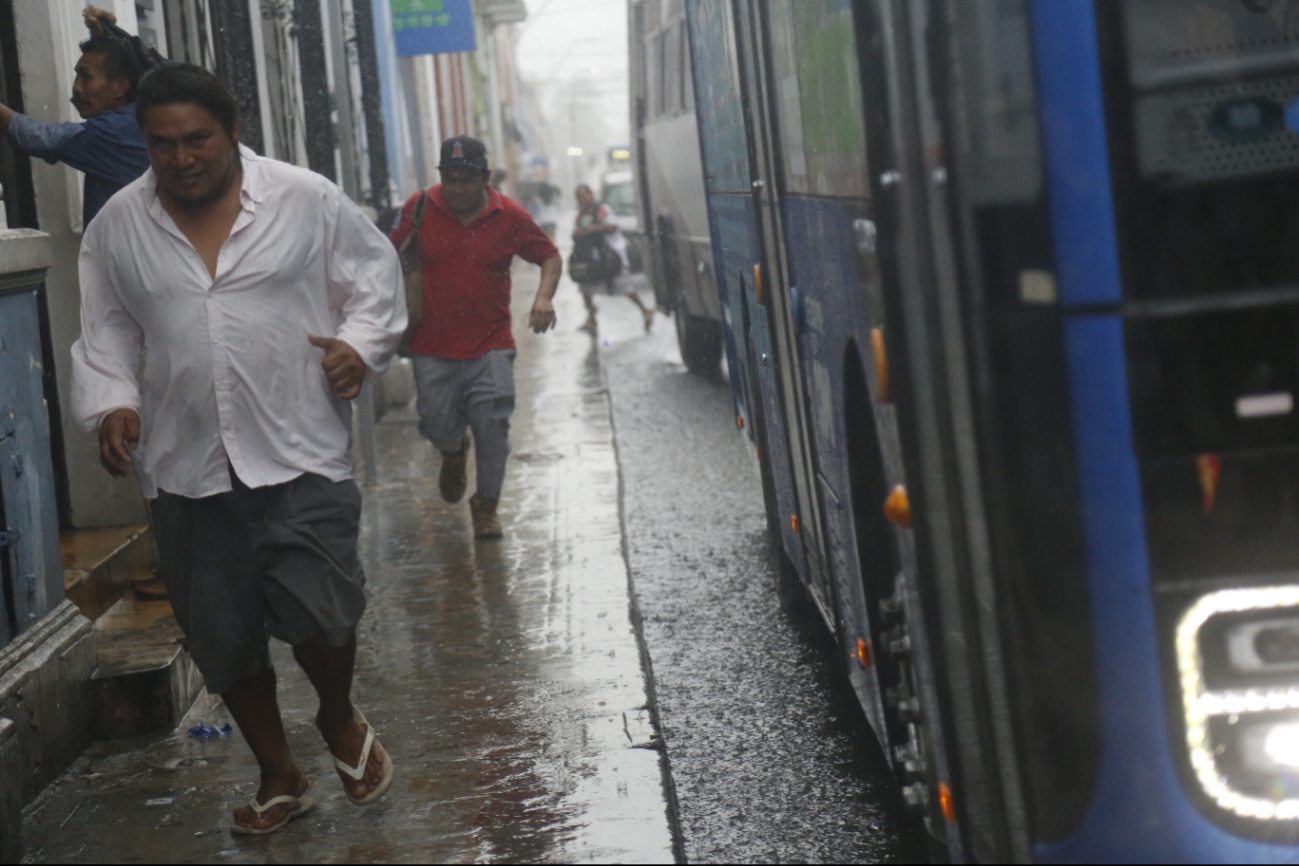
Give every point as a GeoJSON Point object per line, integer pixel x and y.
{"type": "Point", "coordinates": [108, 148]}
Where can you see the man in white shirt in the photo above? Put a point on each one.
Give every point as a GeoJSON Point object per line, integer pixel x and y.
{"type": "Point", "coordinates": [253, 297]}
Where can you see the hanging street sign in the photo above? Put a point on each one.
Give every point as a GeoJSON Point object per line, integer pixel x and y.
{"type": "Point", "coordinates": [432, 26]}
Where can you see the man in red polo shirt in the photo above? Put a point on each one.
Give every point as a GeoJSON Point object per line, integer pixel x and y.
{"type": "Point", "coordinates": [464, 348]}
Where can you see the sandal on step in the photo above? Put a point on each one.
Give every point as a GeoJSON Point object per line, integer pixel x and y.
{"type": "Point", "coordinates": [357, 773]}
{"type": "Point", "coordinates": [298, 806]}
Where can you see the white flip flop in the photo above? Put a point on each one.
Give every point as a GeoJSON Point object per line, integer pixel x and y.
{"type": "Point", "coordinates": [298, 806]}
{"type": "Point", "coordinates": [357, 773]}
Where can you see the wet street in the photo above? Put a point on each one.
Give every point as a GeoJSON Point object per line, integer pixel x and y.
{"type": "Point", "coordinates": [506, 678]}
{"type": "Point", "coordinates": [771, 756]}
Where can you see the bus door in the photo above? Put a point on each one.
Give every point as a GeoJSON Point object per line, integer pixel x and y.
{"type": "Point", "coordinates": [1171, 137]}
{"type": "Point", "coordinates": [773, 274]}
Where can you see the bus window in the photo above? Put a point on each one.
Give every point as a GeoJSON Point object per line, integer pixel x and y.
{"type": "Point", "coordinates": [720, 110]}
{"type": "Point", "coordinates": [672, 69]}
{"type": "Point", "coordinates": [819, 102]}
{"type": "Point", "coordinates": [637, 61]}
{"type": "Point", "coordinates": [687, 92]}
{"type": "Point", "coordinates": [662, 75]}
{"type": "Point", "coordinates": [994, 73]}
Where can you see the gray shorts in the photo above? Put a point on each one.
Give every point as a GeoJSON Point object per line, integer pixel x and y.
{"type": "Point", "coordinates": [478, 394]}
{"type": "Point", "coordinates": [278, 561]}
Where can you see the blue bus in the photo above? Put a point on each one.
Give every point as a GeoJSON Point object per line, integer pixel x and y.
{"type": "Point", "coordinates": [1010, 305]}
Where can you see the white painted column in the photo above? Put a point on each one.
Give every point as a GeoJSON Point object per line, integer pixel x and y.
{"type": "Point", "coordinates": [263, 88]}
{"type": "Point", "coordinates": [434, 110]}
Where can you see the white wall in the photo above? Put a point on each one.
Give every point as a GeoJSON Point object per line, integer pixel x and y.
{"type": "Point", "coordinates": [48, 32]}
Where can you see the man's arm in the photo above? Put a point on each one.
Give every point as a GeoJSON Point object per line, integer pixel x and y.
{"type": "Point", "coordinates": [604, 226]}
{"type": "Point", "coordinates": [105, 394]}
{"type": "Point", "coordinates": [542, 318]}
{"type": "Point", "coordinates": [43, 140]}
{"type": "Point", "coordinates": [92, 14]}
{"type": "Point", "coordinates": [405, 221]}
{"type": "Point", "coordinates": [365, 283]}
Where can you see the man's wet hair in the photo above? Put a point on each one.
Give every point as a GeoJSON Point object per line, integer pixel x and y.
{"type": "Point", "coordinates": [119, 60]}
{"type": "Point", "coordinates": [176, 83]}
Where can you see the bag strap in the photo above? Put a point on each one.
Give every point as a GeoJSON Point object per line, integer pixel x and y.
{"type": "Point", "coordinates": [419, 211]}
{"type": "Point", "coordinates": [412, 239]}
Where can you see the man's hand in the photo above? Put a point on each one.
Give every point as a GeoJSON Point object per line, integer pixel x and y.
{"type": "Point", "coordinates": [542, 318]}
{"type": "Point", "coordinates": [119, 435]}
{"type": "Point", "coordinates": [343, 367]}
{"type": "Point", "coordinates": [92, 14]}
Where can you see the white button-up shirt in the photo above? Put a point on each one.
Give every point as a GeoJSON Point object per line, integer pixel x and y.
{"type": "Point", "coordinates": [224, 368]}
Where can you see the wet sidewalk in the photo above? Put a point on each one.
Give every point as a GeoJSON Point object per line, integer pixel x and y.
{"type": "Point", "coordinates": [504, 677]}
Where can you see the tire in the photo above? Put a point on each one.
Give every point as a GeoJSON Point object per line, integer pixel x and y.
{"type": "Point", "coordinates": [700, 340]}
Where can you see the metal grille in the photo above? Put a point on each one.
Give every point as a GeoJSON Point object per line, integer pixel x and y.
{"type": "Point", "coordinates": [1177, 145]}
{"type": "Point", "coordinates": [1174, 43]}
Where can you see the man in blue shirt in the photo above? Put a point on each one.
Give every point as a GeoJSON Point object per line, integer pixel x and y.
{"type": "Point", "coordinates": [108, 147]}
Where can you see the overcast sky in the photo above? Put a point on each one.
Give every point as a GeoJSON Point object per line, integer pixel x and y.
{"type": "Point", "coordinates": [567, 39]}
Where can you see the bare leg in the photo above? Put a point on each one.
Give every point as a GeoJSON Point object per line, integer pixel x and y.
{"type": "Point", "coordinates": [590, 312]}
{"type": "Point", "coordinates": [646, 313]}
{"type": "Point", "coordinates": [330, 670]}
{"type": "Point", "coordinates": [256, 711]}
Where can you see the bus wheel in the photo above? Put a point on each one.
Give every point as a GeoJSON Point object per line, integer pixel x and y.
{"type": "Point", "coordinates": [700, 340]}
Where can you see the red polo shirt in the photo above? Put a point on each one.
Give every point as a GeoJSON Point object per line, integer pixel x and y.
{"type": "Point", "coordinates": [466, 273]}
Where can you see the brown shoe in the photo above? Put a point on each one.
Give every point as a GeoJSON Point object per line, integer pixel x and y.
{"type": "Point", "coordinates": [153, 589]}
{"type": "Point", "coordinates": [486, 523]}
{"type": "Point", "coordinates": [452, 481]}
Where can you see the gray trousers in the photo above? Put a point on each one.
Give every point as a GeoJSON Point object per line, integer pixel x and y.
{"type": "Point", "coordinates": [452, 396]}
{"type": "Point", "coordinates": [278, 561]}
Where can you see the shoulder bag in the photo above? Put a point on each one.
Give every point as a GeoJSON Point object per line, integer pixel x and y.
{"type": "Point", "coordinates": [593, 260]}
{"type": "Point", "coordinates": [414, 278]}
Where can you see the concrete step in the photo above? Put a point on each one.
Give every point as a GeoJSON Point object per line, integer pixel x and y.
{"type": "Point", "coordinates": [100, 564]}
{"type": "Point", "coordinates": [145, 681]}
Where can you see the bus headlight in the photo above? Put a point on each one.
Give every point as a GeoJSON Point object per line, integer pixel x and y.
{"type": "Point", "coordinates": [1277, 747]}
{"type": "Point", "coordinates": [1238, 662]}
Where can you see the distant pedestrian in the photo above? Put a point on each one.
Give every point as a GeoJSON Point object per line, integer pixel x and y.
{"type": "Point", "coordinates": [108, 146]}
{"type": "Point", "coordinates": [464, 346]}
{"type": "Point", "coordinates": [593, 220]}
{"type": "Point", "coordinates": [263, 296]}
{"type": "Point", "coordinates": [548, 209]}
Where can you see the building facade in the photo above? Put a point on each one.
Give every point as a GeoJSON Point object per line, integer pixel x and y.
{"type": "Point", "coordinates": [320, 85]}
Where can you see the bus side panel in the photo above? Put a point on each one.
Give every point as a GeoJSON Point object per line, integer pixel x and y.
{"type": "Point", "coordinates": [722, 152]}
{"type": "Point", "coordinates": [737, 245]}
{"type": "Point", "coordinates": [731, 289]}
{"type": "Point", "coordinates": [736, 248]}
{"type": "Point", "coordinates": [832, 316]}
{"type": "Point", "coordinates": [723, 137]}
